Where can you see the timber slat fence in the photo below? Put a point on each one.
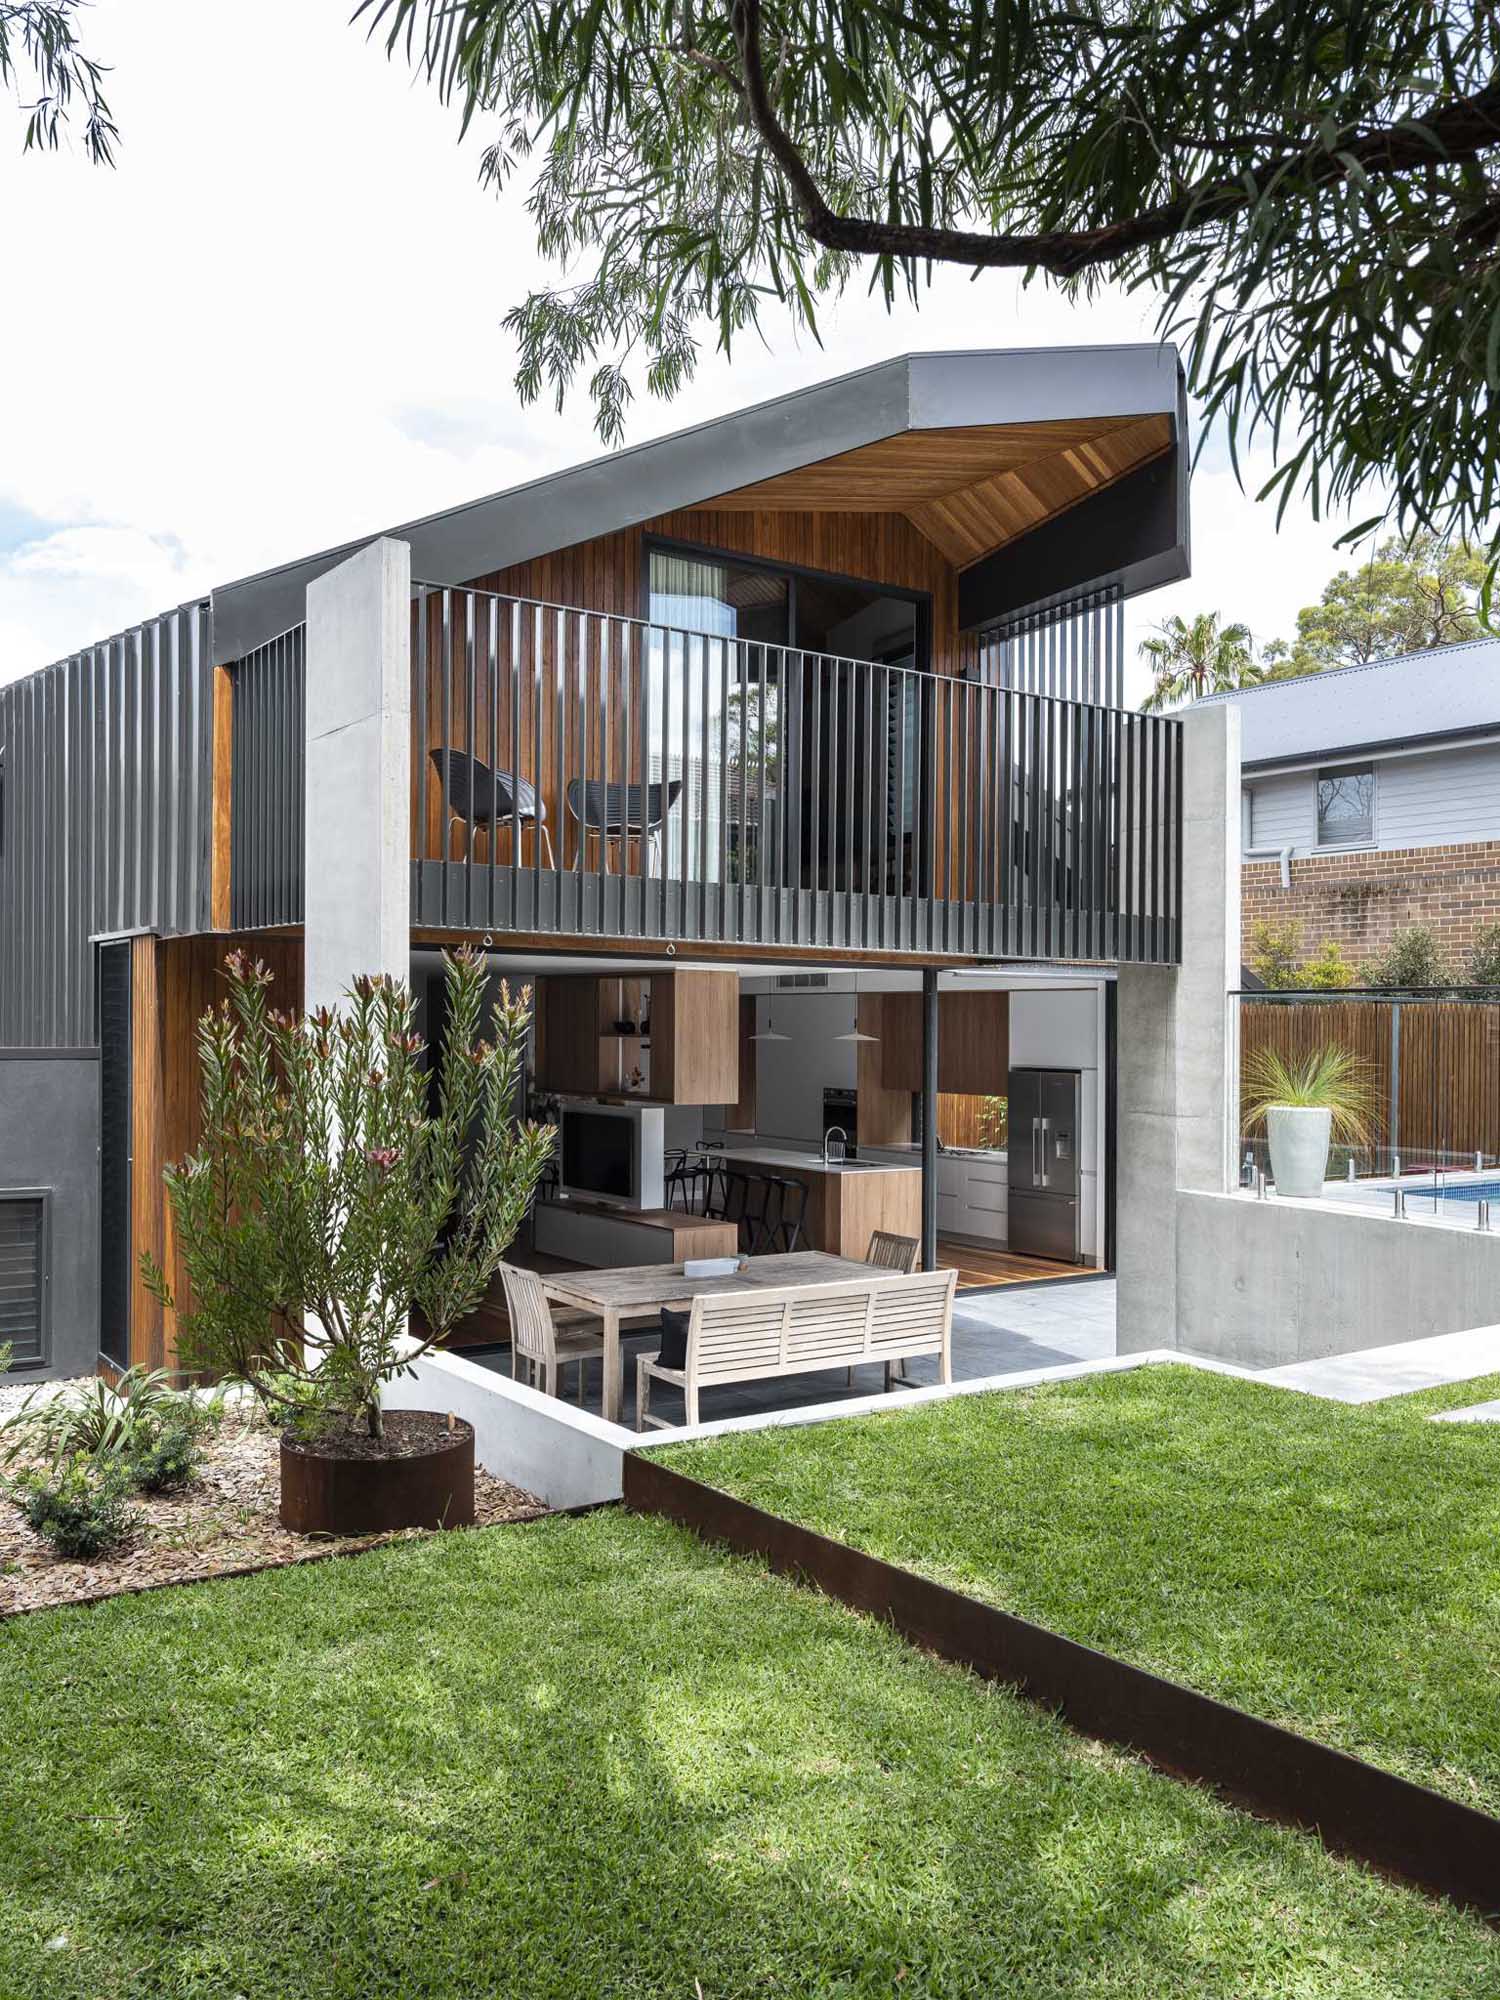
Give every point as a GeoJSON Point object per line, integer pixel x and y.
{"type": "Point", "coordinates": [1435, 1061]}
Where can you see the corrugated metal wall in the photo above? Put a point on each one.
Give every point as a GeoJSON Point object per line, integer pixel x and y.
{"type": "Point", "coordinates": [105, 815]}
{"type": "Point", "coordinates": [266, 870]}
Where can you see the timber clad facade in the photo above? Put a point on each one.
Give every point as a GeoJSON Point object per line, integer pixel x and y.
{"type": "Point", "coordinates": [839, 674]}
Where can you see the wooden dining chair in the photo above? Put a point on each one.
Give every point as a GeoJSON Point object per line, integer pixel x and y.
{"type": "Point", "coordinates": [546, 1340]}
{"type": "Point", "coordinates": [889, 1252]}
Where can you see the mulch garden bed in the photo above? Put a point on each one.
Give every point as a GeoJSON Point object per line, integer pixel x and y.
{"type": "Point", "coordinates": [225, 1523]}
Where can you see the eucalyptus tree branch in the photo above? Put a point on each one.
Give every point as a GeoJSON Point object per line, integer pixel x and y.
{"type": "Point", "coordinates": [1449, 131]}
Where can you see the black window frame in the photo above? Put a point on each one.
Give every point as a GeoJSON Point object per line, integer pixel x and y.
{"type": "Point", "coordinates": [41, 1197]}
{"type": "Point", "coordinates": [671, 545]}
{"type": "Point", "coordinates": [1325, 774]}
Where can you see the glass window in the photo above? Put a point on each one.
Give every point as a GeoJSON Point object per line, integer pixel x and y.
{"type": "Point", "coordinates": [1346, 806]}
{"type": "Point", "coordinates": [699, 594]}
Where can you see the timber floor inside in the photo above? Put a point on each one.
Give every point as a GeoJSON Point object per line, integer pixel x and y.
{"type": "Point", "coordinates": [979, 1269]}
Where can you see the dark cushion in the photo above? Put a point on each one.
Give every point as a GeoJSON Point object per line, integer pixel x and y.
{"type": "Point", "coordinates": [674, 1333]}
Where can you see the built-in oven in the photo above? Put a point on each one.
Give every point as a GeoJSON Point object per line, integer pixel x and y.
{"type": "Point", "coordinates": [841, 1109]}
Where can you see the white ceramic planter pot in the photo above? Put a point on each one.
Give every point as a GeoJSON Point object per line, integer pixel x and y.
{"type": "Point", "coordinates": [1299, 1137]}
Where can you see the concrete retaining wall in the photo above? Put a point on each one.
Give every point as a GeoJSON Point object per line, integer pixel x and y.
{"type": "Point", "coordinates": [1264, 1283]}
{"type": "Point", "coordinates": [49, 1138]}
{"type": "Point", "coordinates": [560, 1453]}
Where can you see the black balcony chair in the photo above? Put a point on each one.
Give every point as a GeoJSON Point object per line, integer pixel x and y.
{"type": "Point", "coordinates": [617, 814]}
{"type": "Point", "coordinates": [491, 801]}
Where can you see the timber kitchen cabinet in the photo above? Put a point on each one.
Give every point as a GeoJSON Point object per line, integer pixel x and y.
{"type": "Point", "coordinates": [973, 1042]}
{"type": "Point", "coordinates": [670, 1038]}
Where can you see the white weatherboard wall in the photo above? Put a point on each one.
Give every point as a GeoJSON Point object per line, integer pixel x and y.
{"type": "Point", "coordinates": [1433, 798]}
{"type": "Point", "coordinates": [357, 910]}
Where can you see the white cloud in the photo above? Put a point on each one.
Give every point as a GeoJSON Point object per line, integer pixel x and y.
{"type": "Point", "coordinates": [277, 326]}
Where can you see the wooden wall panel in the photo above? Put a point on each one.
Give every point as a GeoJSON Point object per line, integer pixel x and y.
{"type": "Point", "coordinates": [177, 980]}
{"type": "Point", "coordinates": [223, 794]}
{"type": "Point", "coordinates": [973, 1043]}
{"type": "Point", "coordinates": [695, 1035]}
{"type": "Point", "coordinates": [876, 548]}
{"type": "Point", "coordinates": [524, 656]}
{"type": "Point", "coordinates": [884, 1113]}
{"type": "Point", "coordinates": [605, 575]}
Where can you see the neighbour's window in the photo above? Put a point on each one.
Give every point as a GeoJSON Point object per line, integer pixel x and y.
{"type": "Point", "coordinates": [1346, 806]}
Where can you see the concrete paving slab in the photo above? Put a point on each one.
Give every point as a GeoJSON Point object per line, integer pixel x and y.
{"type": "Point", "coordinates": [1477, 1413]}
{"type": "Point", "coordinates": [1398, 1370]}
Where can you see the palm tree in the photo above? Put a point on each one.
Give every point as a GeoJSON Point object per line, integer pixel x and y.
{"type": "Point", "coordinates": [1192, 660]}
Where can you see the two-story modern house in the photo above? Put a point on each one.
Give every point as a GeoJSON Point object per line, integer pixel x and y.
{"type": "Point", "coordinates": [804, 723]}
{"type": "Point", "coordinates": [1372, 801]}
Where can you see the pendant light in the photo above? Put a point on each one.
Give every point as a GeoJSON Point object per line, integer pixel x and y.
{"type": "Point", "coordinates": [854, 1034]}
{"type": "Point", "coordinates": [768, 1032]}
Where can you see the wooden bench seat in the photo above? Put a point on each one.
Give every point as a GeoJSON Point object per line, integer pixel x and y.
{"type": "Point", "coordinates": [754, 1336]}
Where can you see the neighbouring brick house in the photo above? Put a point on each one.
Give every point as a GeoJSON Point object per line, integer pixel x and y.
{"type": "Point", "coordinates": [1372, 801]}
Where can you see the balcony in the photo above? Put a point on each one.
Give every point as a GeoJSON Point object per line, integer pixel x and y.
{"type": "Point", "coordinates": [587, 775]}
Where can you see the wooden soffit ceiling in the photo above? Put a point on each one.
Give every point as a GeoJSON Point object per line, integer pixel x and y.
{"type": "Point", "coordinates": [969, 491]}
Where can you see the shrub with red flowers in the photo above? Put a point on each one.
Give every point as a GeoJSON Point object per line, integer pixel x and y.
{"type": "Point", "coordinates": [344, 1184]}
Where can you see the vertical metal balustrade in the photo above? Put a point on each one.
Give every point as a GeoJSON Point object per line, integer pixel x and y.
{"type": "Point", "coordinates": [781, 797]}
{"type": "Point", "coordinates": [266, 864]}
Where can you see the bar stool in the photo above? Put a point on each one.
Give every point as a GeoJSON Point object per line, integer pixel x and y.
{"type": "Point", "coordinates": [745, 1206]}
{"type": "Point", "coordinates": [791, 1212]}
{"type": "Point", "coordinates": [680, 1180]}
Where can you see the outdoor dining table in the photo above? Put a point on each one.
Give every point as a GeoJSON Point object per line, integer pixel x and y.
{"type": "Point", "coordinates": [639, 1291]}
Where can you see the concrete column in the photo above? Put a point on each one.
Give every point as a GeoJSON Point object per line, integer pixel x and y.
{"type": "Point", "coordinates": [358, 786]}
{"type": "Point", "coordinates": [1178, 1080]}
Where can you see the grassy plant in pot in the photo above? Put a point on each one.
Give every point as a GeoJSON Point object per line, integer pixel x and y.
{"type": "Point", "coordinates": [339, 1189]}
{"type": "Point", "coordinates": [1304, 1103]}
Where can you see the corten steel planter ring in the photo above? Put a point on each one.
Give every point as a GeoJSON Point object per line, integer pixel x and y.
{"type": "Point", "coordinates": [1401, 1828]}
{"type": "Point", "coordinates": [326, 1493]}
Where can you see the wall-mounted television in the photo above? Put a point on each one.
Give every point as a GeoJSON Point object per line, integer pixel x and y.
{"type": "Point", "coordinates": [613, 1152]}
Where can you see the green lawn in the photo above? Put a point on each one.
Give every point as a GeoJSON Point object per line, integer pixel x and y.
{"type": "Point", "coordinates": [1333, 1568]}
{"type": "Point", "coordinates": [593, 1758]}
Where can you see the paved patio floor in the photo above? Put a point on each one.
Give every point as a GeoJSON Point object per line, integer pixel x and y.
{"type": "Point", "coordinates": [1003, 1332]}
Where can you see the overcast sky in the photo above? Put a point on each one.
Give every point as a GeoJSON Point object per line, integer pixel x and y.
{"type": "Point", "coordinates": [276, 325]}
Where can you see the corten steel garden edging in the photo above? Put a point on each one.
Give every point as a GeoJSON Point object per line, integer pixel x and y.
{"type": "Point", "coordinates": [1401, 1828]}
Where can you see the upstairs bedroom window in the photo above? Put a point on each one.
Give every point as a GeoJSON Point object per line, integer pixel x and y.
{"type": "Point", "coordinates": [1346, 806]}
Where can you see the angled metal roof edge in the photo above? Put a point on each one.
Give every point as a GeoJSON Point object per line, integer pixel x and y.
{"type": "Point", "coordinates": [1305, 759]}
{"type": "Point", "coordinates": [1326, 674]}
{"type": "Point", "coordinates": [938, 390]}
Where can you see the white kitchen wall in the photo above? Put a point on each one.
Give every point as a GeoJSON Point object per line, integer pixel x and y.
{"type": "Point", "coordinates": [791, 1076]}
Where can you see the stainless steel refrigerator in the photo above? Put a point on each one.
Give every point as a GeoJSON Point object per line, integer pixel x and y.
{"type": "Point", "coordinates": [1042, 1195]}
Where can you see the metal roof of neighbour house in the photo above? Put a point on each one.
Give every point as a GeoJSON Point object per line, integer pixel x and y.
{"type": "Point", "coordinates": [1449, 691]}
{"type": "Point", "coordinates": [1078, 420]}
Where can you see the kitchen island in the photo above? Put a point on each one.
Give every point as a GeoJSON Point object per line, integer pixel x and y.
{"type": "Point", "coordinates": [846, 1200]}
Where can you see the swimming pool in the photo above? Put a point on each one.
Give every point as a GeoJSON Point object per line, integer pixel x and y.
{"type": "Point", "coordinates": [1424, 1190]}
